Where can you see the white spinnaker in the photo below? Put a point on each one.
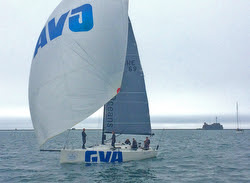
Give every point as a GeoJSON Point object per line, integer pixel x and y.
{"type": "Point", "coordinates": [75, 74]}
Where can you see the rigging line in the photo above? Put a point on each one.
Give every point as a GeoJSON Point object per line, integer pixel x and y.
{"type": "Point", "coordinates": [160, 139]}
{"type": "Point", "coordinates": [99, 121]}
{"type": "Point", "coordinates": [100, 74]}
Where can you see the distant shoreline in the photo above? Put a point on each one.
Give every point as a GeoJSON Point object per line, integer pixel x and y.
{"type": "Point", "coordinates": [101, 129]}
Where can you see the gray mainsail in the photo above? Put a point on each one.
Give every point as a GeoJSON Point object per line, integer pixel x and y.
{"type": "Point", "coordinates": [128, 111]}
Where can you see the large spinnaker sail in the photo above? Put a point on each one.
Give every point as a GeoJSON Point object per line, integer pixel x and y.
{"type": "Point", "coordinates": [128, 111]}
{"type": "Point", "coordinates": [78, 63]}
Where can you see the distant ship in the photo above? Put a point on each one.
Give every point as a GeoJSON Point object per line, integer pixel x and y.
{"type": "Point", "coordinates": [214, 126]}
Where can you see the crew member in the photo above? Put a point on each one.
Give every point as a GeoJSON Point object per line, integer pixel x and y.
{"type": "Point", "coordinates": [128, 142]}
{"type": "Point", "coordinates": [146, 143]}
{"type": "Point", "coordinates": [134, 144]}
{"type": "Point", "coordinates": [83, 138]}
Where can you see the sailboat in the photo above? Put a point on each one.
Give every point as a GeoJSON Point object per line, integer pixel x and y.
{"type": "Point", "coordinates": [86, 57]}
{"type": "Point", "coordinates": [238, 130]}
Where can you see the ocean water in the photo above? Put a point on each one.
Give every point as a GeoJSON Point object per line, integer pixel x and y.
{"type": "Point", "coordinates": [184, 156]}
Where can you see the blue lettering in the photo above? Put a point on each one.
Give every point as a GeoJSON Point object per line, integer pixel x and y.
{"type": "Point", "coordinates": [103, 158]}
{"type": "Point", "coordinates": [117, 156]}
{"type": "Point", "coordinates": [56, 30]}
{"type": "Point", "coordinates": [42, 40]}
{"type": "Point", "coordinates": [87, 19]}
{"type": "Point", "coordinates": [91, 156]}
{"type": "Point", "coordinates": [75, 25]}
{"type": "Point", "coordinates": [88, 156]}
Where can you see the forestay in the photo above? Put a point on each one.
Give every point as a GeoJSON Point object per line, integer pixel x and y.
{"type": "Point", "coordinates": [78, 63]}
{"type": "Point", "coordinates": [128, 112]}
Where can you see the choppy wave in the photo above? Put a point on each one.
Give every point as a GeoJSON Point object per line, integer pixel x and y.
{"type": "Point", "coordinates": [185, 156]}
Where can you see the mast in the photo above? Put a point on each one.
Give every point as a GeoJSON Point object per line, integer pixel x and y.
{"type": "Point", "coordinates": [103, 135]}
{"type": "Point", "coordinates": [237, 118]}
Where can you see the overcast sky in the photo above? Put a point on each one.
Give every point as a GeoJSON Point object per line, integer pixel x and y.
{"type": "Point", "coordinates": [195, 54]}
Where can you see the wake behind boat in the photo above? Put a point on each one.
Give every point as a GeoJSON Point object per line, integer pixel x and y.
{"type": "Point", "coordinates": [86, 57]}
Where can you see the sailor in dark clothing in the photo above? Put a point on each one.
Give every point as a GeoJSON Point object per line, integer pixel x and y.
{"type": "Point", "coordinates": [134, 144]}
{"type": "Point", "coordinates": [83, 138]}
{"type": "Point", "coordinates": [146, 144]}
{"type": "Point", "coordinates": [113, 139]}
{"type": "Point", "coordinates": [128, 142]}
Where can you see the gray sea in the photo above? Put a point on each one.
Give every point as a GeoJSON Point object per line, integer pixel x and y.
{"type": "Point", "coordinates": [184, 156]}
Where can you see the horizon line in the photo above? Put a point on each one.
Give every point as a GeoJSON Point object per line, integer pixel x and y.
{"type": "Point", "coordinates": [29, 129]}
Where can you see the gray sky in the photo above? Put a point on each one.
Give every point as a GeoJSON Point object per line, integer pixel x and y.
{"type": "Point", "coordinates": [195, 54]}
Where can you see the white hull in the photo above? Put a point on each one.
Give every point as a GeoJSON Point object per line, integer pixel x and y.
{"type": "Point", "coordinates": [105, 154]}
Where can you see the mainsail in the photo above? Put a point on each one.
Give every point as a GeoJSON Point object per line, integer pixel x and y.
{"type": "Point", "coordinates": [128, 112]}
{"type": "Point", "coordinates": [78, 63]}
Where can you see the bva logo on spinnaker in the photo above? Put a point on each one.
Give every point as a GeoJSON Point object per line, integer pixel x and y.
{"type": "Point", "coordinates": [75, 25]}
